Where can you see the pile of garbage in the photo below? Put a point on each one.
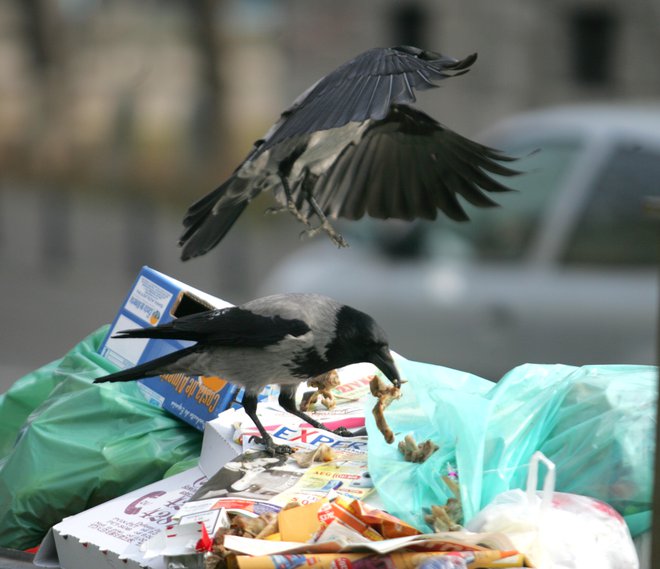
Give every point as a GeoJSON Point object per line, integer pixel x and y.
{"type": "Point", "coordinates": [444, 474]}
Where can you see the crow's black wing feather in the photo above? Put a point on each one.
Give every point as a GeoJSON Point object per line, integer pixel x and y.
{"type": "Point", "coordinates": [408, 166]}
{"type": "Point", "coordinates": [232, 326]}
{"type": "Point", "coordinates": [209, 219]}
{"type": "Point", "coordinates": [365, 88]}
{"type": "Point", "coordinates": [147, 369]}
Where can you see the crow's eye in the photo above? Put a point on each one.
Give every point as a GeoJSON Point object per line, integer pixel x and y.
{"type": "Point", "coordinates": [375, 345]}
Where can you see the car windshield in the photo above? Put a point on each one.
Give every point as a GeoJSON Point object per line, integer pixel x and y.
{"type": "Point", "coordinates": [614, 229]}
{"type": "Point", "coordinates": [505, 233]}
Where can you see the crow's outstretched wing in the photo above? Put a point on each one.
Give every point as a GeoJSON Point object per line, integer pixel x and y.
{"type": "Point", "coordinates": [408, 166]}
{"type": "Point", "coordinates": [232, 326]}
{"type": "Point", "coordinates": [365, 88]}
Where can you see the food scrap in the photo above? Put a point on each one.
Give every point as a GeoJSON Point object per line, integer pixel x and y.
{"type": "Point", "coordinates": [324, 384]}
{"type": "Point", "coordinates": [449, 516]}
{"type": "Point", "coordinates": [413, 452]}
{"type": "Point", "coordinates": [322, 453]}
{"type": "Point", "coordinates": [385, 395]}
{"type": "Point", "coordinates": [445, 518]}
{"type": "Point", "coordinates": [260, 527]}
{"type": "Point", "coordinates": [257, 527]}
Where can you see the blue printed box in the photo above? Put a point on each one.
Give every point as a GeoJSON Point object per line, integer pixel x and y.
{"type": "Point", "coordinates": [154, 299]}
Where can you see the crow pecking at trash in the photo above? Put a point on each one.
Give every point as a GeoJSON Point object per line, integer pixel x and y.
{"type": "Point", "coordinates": [350, 146]}
{"type": "Point", "coordinates": [281, 339]}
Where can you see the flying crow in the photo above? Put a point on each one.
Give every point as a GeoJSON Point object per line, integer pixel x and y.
{"type": "Point", "coordinates": [281, 339]}
{"type": "Point", "coordinates": [349, 146]}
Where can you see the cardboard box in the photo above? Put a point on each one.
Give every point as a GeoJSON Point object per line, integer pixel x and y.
{"type": "Point", "coordinates": [155, 299]}
{"type": "Point", "coordinates": [110, 535]}
{"type": "Point", "coordinates": [218, 448]}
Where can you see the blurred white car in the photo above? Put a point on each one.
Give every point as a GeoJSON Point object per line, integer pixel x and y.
{"type": "Point", "coordinates": [564, 272]}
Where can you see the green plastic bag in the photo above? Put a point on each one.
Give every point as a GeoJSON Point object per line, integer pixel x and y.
{"type": "Point", "coordinates": [21, 399]}
{"type": "Point", "coordinates": [81, 444]}
{"type": "Point", "coordinates": [596, 423]}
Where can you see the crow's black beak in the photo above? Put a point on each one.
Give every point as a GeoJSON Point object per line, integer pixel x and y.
{"type": "Point", "coordinates": [384, 362]}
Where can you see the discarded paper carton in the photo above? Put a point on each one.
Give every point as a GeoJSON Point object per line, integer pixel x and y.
{"type": "Point", "coordinates": [300, 524]}
{"type": "Point", "coordinates": [110, 535]}
{"type": "Point", "coordinates": [155, 299]}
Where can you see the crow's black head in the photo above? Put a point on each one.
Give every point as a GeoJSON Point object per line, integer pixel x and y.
{"type": "Point", "coordinates": [358, 338]}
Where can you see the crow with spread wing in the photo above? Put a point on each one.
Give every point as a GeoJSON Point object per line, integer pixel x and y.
{"type": "Point", "coordinates": [351, 145]}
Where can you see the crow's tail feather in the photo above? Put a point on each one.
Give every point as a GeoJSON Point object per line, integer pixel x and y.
{"type": "Point", "coordinates": [148, 369]}
{"type": "Point", "coordinates": [161, 332]}
{"type": "Point", "coordinates": [206, 223]}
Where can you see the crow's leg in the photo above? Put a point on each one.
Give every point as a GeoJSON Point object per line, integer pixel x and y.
{"type": "Point", "coordinates": [290, 204]}
{"type": "Point", "coordinates": [250, 406]}
{"type": "Point", "coordinates": [325, 225]}
{"type": "Point", "coordinates": [287, 400]}
{"type": "Point", "coordinates": [291, 207]}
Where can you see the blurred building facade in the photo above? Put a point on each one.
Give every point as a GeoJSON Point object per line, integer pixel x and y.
{"type": "Point", "coordinates": [166, 95]}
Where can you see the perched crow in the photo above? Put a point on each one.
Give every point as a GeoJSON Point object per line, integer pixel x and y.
{"type": "Point", "coordinates": [281, 339]}
{"type": "Point", "coordinates": [350, 146]}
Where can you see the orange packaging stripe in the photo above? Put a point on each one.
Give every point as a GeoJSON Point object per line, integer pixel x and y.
{"type": "Point", "coordinates": [318, 561]}
{"type": "Point", "coordinates": [355, 523]}
{"type": "Point", "coordinates": [386, 524]}
{"type": "Point", "coordinates": [488, 558]}
{"type": "Point", "coordinates": [399, 560]}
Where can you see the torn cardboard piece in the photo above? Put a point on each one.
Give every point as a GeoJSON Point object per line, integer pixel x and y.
{"type": "Point", "coordinates": [110, 535]}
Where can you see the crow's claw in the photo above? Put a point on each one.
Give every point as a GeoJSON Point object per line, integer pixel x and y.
{"type": "Point", "coordinates": [270, 447]}
{"type": "Point", "coordinates": [279, 449]}
{"type": "Point", "coordinates": [344, 432]}
{"type": "Point", "coordinates": [335, 237]}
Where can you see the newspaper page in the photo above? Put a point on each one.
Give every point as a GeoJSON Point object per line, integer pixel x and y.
{"type": "Point", "coordinates": [257, 482]}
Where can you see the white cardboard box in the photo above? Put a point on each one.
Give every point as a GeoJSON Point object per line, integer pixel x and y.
{"type": "Point", "coordinates": [110, 535]}
{"type": "Point", "coordinates": [217, 446]}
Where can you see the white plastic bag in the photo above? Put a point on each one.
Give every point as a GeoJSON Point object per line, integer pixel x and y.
{"type": "Point", "coordinates": [558, 530]}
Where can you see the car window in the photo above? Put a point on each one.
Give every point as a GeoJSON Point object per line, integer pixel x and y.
{"type": "Point", "coordinates": [505, 233]}
{"type": "Point", "coordinates": [614, 229]}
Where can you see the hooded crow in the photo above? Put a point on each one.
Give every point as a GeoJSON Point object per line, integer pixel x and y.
{"type": "Point", "coordinates": [349, 146]}
{"type": "Point", "coordinates": [281, 339]}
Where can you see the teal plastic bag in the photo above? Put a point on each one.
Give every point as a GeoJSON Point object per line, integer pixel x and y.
{"type": "Point", "coordinates": [82, 445]}
{"type": "Point", "coordinates": [596, 423]}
